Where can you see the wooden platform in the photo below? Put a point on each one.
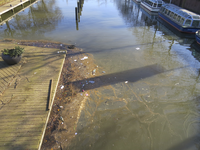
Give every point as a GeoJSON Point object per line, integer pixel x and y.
{"type": "Point", "coordinates": [23, 96]}
{"type": "Point", "coordinates": [11, 7]}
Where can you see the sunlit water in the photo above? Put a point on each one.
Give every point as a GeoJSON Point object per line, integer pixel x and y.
{"type": "Point", "coordinates": [152, 100]}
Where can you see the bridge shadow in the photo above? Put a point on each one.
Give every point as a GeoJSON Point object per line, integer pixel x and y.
{"type": "Point", "coordinates": [128, 76]}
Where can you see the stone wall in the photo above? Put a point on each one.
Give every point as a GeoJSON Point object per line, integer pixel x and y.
{"type": "Point", "coordinates": [192, 5]}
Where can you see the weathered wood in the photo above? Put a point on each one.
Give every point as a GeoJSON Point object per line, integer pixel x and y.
{"type": "Point", "coordinates": [76, 15]}
{"type": "Point", "coordinates": [50, 94]}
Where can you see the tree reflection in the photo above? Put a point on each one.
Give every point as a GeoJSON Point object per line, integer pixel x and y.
{"type": "Point", "coordinates": [134, 15]}
{"type": "Point", "coordinates": [40, 18]}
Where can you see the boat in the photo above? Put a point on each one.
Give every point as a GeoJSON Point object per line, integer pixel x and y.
{"type": "Point", "coordinates": [197, 36]}
{"type": "Point", "coordinates": [152, 5]}
{"type": "Point", "coordinates": [137, 1]}
{"type": "Point", "coordinates": [181, 19]}
{"type": "Point", "coordinates": [149, 17]}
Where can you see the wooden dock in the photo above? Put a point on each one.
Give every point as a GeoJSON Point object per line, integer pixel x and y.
{"type": "Point", "coordinates": [11, 7]}
{"type": "Point", "coordinates": [24, 96]}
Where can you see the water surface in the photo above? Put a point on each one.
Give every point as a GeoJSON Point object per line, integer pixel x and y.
{"type": "Point", "coordinates": [150, 100]}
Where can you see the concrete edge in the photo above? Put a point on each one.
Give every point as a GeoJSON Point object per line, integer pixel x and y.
{"type": "Point", "coordinates": [39, 148]}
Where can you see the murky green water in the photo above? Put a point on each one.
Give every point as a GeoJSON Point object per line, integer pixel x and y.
{"type": "Point", "coordinates": [158, 107]}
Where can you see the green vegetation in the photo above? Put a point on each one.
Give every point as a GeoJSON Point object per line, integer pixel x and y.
{"type": "Point", "coordinates": [17, 51]}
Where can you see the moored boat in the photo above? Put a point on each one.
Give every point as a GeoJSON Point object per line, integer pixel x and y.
{"type": "Point", "coordinates": [198, 36]}
{"type": "Point", "coordinates": [181, 19]}
{"type": "Point", "coordinates": [152, 5]}
{"type": "Point", "coordinates": [137, 1]}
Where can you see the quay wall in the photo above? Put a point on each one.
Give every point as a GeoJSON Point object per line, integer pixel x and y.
{"type": "Point", "coordinates": [192, 5]}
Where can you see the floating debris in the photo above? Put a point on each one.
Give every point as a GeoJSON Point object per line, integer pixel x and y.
{"type": "Point", "coordinates": [91, 81]}
{"type": "Point", "coordinates": [93, 72]}
{"type": "Point", "coordinates": [61, 118]}
{"type": "Point", "coordinates": [71, 46]}
{"type": "Point", "coordinates": [137, 48]}
{"type": "Point", "coordinates": [126, 81]}
{"type": "Point", "coordinates": [85, 57]}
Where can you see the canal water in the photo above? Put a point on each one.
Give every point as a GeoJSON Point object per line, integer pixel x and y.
{"type": "Point", "coordinates": [150, 99]}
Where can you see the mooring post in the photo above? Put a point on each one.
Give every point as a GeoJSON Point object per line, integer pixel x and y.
{"type": "Point", "coordinates": [76, 24]}
{"type": "Point", "coordinates": [78, 5]}
{"type": "Point", "coordinates": [76, 15]}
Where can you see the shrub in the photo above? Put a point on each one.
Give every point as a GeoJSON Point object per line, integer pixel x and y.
{"type": "Point", "coordinates": [17, 51]}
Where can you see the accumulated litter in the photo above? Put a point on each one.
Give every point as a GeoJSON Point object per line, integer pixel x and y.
{"type": "Point", "coordinates": [137, 48]}
{"type": "Point", "coordinates": [85, 57]}
{"type": "Point", "coordinates": [62, 87]}
{"type": "Point", "coordinates": [93, 72]}
{"type": "Point", "coordinates": [75, 133]}
{"type": "Point", "coordinates": [61, 52]}
{"type": "Point", "coordinates": [91, 81]}
{"type": "Point", "coordinates": [75, 60]}
{"type": "Point", "coordinates": [61, 107]}
{"type": "Point", "coordinates": [61, 118]}
{"type": "Point", "coordinates": [126, 81]}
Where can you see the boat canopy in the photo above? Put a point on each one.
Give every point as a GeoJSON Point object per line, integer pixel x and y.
{"type": "Point", "coordinates": [181, 12]}
{"type": "Point", "coordinates": [182, 16]}
{"type": "Point", "coordinates": [154, 3]}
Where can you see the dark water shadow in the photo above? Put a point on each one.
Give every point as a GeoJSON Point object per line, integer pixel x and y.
{"type": "Point", "coordinates": [131, 75]}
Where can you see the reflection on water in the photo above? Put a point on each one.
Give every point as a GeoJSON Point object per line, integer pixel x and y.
{"type": "Point", "coordinates": [158, 107]}
{"type": "Point", "coordinates": [34, 22]}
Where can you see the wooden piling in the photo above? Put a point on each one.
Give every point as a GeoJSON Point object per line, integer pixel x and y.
{"type": "Point", "coordinates": [76, 15]}
{"type": "Point", "coordinates": [78, 5]}
{"type": "Point", "coordinates": [77, 25]}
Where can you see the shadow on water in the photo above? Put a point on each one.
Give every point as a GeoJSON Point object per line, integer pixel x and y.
{"type": "Point", "coordinates": [131, 75]}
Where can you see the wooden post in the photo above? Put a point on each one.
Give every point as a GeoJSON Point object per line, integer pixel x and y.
{"type": "Point", "coordinates": [76, 15]}
{"type": "Point", "coordinates": [49, 95]}
{"type": "Point", "coordinates": [77, 25]}
{"type": "Point", "coordinates": [78, 5]}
